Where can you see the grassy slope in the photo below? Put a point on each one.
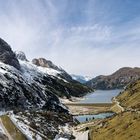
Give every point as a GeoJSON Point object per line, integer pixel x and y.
{"type": "Point", "coordinates": [130, 98]}
{"type": "Point", "coordinates": [124, 126]}
{"type": "Point", "coordinates": [15, 133]}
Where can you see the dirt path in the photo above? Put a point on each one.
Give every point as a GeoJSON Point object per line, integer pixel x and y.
{"type": "Point", "coordinates": [5, 130]}
{"type": "Point", "coordinates": [117, 107]}
{"type": "Point", "coordinates": [81, 135]}
{"type": "Point", "coordinates": [89, 124]}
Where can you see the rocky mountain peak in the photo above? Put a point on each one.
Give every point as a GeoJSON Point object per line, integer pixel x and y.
{"type": "Point", "coordinates": [44, 63]}
{"type": "Point", "coordinates": [21, 55]}
{"type": "Point", "coordinates": [7, 56]}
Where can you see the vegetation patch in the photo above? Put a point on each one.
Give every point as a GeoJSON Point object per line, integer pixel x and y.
{"type": "Point", "coordinates": [15, 133]}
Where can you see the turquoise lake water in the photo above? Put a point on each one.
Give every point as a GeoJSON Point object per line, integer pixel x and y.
{"type": "Point", "coordinates": [99, 96]}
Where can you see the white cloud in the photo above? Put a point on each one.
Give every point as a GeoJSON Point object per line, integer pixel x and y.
{"type": "Point", "coordinates": [89, 48]}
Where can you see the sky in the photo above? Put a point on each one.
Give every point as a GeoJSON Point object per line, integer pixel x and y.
{"type": "Point", "coordinates": [85, 37]}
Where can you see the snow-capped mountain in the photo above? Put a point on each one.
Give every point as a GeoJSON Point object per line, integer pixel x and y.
{"type": "Point", "coordinates": [31, 84]}
{"type": "Point", "coordinates": [81, 79]}
{"type": "Point", "coordinates": [35, 88]}
{"type": "Point", "coordinates": [21, 55]}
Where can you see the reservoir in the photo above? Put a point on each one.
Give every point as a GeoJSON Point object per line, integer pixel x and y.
{"type": "Point", "coordinates": [84, 118]}
{"type": "Point", "coordinates": [100, 96]}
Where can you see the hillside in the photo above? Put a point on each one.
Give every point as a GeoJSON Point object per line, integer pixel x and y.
{"type": "Point", "coordinates": [119, 79]}
{"type": "Point", "coordinates": [130, 98]}
{"type": "Point", "coordinates": [125, 125]}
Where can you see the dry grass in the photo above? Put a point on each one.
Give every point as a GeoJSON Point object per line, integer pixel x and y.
{"type": "Point", "coordinates": [124, 126]}
{"type": "Point", "coordinates": [15, 133]}
{"type": "Point", "coordinates": [130, 98]}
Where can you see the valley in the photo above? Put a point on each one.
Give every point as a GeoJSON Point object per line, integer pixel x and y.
{"type": "Point", "coordinates": [69, 70]}
{"type": "Point", "coordinates": [41, 101]}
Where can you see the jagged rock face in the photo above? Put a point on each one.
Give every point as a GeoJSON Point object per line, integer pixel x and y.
{"type": "Point", "coordinates": [48, 64]}
{"type": "Point", "coordinates": [21, 55]}
{"type": "Point", "coordinates": [17, 91]}
{"type": "Point", "coordinates": [32, 87]}
{"type": "Point", "coordinates": [7, 56]}
{"type": "Point", "coordinates": [119, 79]}
{"type": "Point", "coordinates": [44, 63]}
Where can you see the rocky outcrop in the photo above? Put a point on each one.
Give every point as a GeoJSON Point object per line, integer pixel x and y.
{"type": "Point", "coordinates": [21, 55]}
{"type": "Point", "coordinates": [48, 64]}
{"type": "Point", "coordinates": [7, 56]}
{"type": "Point", "coordinates": [44, 63]}
{"type": "Point", "coordinates": [119, 79]}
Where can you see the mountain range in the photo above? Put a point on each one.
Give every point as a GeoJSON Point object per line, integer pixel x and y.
{"type": "Point", "coordinates": [30, 93]}
{"type": "Point", "coordinates": [80, 78]}
{"type": "Point", "coordinates": [31, 90]}
{"type": "Point", "coordinates": [118, 79]}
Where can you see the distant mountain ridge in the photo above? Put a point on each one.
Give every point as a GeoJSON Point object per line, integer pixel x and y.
{"type": "Point", "coordinates": [80, 78]}
{"type": "Point", "coordinates": [118, 79]}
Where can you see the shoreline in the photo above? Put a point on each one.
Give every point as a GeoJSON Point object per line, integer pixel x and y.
{"type": "Point", "coordinates": [73, 100]}
{"type": "Point", "coordinates": [77, 109]}
{"type": "Point", "coordinates": [95, 113]}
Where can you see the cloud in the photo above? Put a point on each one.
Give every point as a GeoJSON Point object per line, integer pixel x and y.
{"type": "Point", "coordinates": [89, 38]}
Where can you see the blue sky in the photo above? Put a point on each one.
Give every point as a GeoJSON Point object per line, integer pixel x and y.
{"type": "Point", "coordinates": [86, 37]}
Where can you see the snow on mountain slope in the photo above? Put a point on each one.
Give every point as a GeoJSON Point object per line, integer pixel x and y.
{"type": "Point", "coordinates": [30, 71]}
{"type": "Point", "coordinates": [17, 91]}
{"type": "Point", "coordinates": [21, 55]}
{"type": "Point", "coordinates": [32, 92]}
{"type": "Point", "coordinates": [24, 92]}
{"type": "Point", "coordinates": [35, 86]}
